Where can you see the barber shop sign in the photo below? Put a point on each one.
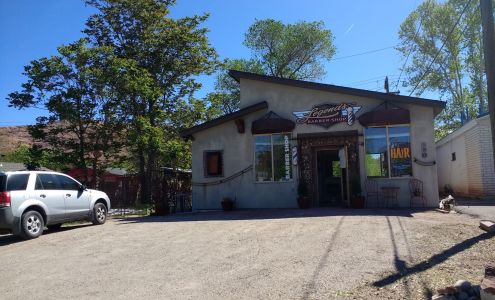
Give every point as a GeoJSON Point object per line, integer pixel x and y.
{"type": "Point", "coordinates": [327, 115]}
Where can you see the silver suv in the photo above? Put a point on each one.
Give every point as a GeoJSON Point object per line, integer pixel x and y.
{"type": "Point", "coordinates": [31, 200]}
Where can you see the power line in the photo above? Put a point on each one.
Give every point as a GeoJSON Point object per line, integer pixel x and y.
{"type": "Point", "coordinates": [370, 79]}
{"type": "Point", "coordinates": [428, 69]}
{"type": "Point", "coordinates": [362, 53]}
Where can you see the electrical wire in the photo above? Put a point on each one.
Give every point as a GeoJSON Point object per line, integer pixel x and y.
{"type": "Point", "coordinates": [410, 51]}
{"type": "Point", "coordinates": [428, 69]}
{"type": "Point", "coordinates": [362, 53]}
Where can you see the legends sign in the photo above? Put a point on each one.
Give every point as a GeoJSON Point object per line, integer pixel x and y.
{"type": "Point", "coordinates": [327, 115]}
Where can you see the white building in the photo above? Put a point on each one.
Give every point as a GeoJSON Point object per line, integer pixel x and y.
{"type": "Point", "coordinates": [334, 137]}
{"type": "Point", "coordinates": [465, 160]}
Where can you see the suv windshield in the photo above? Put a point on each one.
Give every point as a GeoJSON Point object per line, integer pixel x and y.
{"type": "Point", "coordinates": [17, 182]}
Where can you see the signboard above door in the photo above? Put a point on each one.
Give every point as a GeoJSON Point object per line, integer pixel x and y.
{"type": "Point", "coordinates": [328, 114]}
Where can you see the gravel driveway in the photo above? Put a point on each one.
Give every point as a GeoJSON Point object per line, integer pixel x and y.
{"type": "Point", "coordinates": [264, 254]}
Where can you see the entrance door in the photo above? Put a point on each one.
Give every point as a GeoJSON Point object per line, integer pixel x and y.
{"type": "Point", "coordinates": [329, 178]}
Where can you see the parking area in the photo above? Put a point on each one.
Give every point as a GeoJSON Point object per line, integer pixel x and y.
{"type": "Point", "coordinates": [281, 254]}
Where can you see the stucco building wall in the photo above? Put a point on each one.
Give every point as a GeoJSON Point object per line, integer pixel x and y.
{"type": "Point", "coordinates": [472, 173]}
{"type": "Point", "coordinates": [238, 149]}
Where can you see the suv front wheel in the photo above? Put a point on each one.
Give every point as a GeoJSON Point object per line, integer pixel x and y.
{"type": "Point", "coordinates": [32, 224]}
{"type": "Point", "coordinates": [99, 214]}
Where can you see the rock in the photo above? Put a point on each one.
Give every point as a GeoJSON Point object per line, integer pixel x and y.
{"type": "Point", "coordinates": [475, 290]}
{"type": "Point", "coordinates": [462, 296]}
{"type": "Point", "coordinates": [450, 290]}
{"type": "Point", "coordinates": [487, 226]}
{"type": "Point", "coordinates": [462, 285]}
{"type": "Point", "coordinates": [484, 295]}
{"type": "Point", "coordinates": [443, 297]}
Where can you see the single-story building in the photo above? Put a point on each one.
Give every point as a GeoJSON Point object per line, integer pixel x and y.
{"type": "Point", "coordinates": [335, 138]}
{"type": "Point", "coordinates": [12, 166]}
{"type": "Point", "coordinates": [465, 160]}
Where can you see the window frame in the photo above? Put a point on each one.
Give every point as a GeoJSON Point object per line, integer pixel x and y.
{"type": "Point", "coordinates": [389, 166]}
{"type": "Point", "coordinates": [272, 180]}
{"type": "Point", "coordinates": [205, 163]}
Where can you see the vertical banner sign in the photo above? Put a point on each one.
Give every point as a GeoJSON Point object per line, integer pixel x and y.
{"type": "Point", "coordinates": [287, 157]}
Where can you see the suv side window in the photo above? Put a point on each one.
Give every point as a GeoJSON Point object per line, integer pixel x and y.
{"type": "Point", "coordinates": [17, 182]}
{"type": "Point", "coordinates": [67, 183]}
{"type": "Point", "coordinates": [46, 182]}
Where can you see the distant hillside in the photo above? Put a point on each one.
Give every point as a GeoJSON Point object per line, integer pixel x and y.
{"type": "Point", "coordinates": [11, 137]}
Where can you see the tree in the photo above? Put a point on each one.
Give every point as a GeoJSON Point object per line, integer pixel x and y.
{"type": "Point", "coordinates": [457, 68]}
{"type": "Point", "coordinates": [295, 51]}
{"type": "Point", "coordinates": [69, 86]}
{"type": "Point", "coordinates": [160, 57]}
{"type": "Point", "coordinates": [227, 90]}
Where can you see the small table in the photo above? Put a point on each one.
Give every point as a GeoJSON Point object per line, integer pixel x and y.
{"type": "Point", "coordinates": [390, 194]}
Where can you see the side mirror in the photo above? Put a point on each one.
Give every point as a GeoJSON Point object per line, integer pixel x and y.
{"type": "Point", "coordinates": [82, 187]}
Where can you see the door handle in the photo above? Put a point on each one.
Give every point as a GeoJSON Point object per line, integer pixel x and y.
{"type": "Point", "coordinates": [68, 195]}
{"type": "Point", "coordinates": [43, 196]}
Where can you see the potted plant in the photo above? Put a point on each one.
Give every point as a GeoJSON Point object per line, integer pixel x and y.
{"type": "Point", "coordinates": [357, 200]}
{"type": "Point", "coordinates": [227, 204]}
{"type": "Point", "coordinates": [303, 200]}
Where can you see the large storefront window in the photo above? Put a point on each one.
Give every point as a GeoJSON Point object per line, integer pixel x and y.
{"type": "Point", "coordinates": [388, 151]}
{"type": "Point", "coordinates": [273, 157]}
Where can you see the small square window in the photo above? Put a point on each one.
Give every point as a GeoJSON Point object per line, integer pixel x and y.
{"type": "Point", "coordinates": [453, 156]}
{"type": "Point", "coordinates": [213, 163]}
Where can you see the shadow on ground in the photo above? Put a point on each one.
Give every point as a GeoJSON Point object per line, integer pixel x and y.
{"type": "Point", "coordinates": [269, 214]}
{"type": "Point", "coordinates": [402, 271]}
{"type": "Point", "coordinates": [8, 239]}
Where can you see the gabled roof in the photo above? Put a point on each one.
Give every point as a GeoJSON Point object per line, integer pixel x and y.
{"type": "Point", "coordinates": [187, 133]}
{"type": "Point", "coordinates": [436, 104]}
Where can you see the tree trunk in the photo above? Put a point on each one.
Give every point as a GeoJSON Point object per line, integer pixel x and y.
{"type": "Point", "coordinates": [143, 192]}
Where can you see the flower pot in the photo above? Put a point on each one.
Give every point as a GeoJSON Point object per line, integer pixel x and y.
{"type": "Point", "coordinates": [304, 202]}
{"type": "Point", "coordinates": [227, 205]}
{"type": "Point", "coordinates": [357, 201]}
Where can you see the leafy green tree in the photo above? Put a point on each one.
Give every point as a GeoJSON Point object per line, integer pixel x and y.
{"type": "Point", "coordinates": [227, 91]}
{"type": "Point", "coordinates": [457, 71]}
{"type": "Point", "coordinates": [160, 57]}
{"type": "Point", "coordinates": [295, 51]}
{"type": "Point", "coordinates": [69, 86]}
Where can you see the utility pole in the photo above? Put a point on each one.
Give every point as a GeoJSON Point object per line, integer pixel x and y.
{"type": "Point", "coordinates": [489, 51]}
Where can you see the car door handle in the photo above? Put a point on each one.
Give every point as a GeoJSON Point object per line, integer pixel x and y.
{"type": "Point", "coordinates": [43, 196]}
{"type": "Point", "coordinates": [68, 195]}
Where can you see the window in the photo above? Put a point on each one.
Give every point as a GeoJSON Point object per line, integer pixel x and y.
{"type": "Point", "coordinates": [273, 160]}
{"type": "Point", "coordinates": [3, 181]}
{"type": "Point", "coordinates": [213, 163]}
{"type": "Point", "coordinates": [46, 182]}
{"type": "Point", "coordinates": [17, 182]}
{"type": "Point", "coordinates": [453, 156]}
{"type": "Point", "coordinates": [388, 151]}
{"type": "Point", "coordinates": [67, 183]}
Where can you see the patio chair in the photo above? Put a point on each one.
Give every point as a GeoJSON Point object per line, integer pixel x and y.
{"type": "Point", "coordinates": [416, 190]}
{"type": "Point", "coordinates": [372, 192]}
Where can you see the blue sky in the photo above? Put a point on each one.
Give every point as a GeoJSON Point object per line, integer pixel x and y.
{"type": "Point", "coordinates": [31, 29]}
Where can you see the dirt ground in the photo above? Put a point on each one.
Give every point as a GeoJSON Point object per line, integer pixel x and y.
{"type": "Point", "coordinates": [263, 254]}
